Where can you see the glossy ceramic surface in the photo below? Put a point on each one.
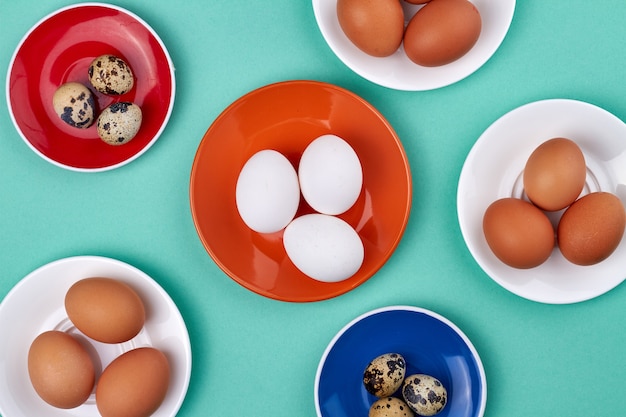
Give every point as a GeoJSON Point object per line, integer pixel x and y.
{"type": "Point", "coordinates": [36, 304]}
{"type": "Point", "coordinates": [493, 169]}
{"type": "Point", "coordinates": [397, 71]}
{"type": "Point", "coordinates": [287, 116]}
{"type": "Point", "coordinates": [429, 343]}
{"type": "Point", "coordinates": [59, 49]}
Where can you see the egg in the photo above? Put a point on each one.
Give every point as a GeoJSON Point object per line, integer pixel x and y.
{"type": "Point", "coordinates": [425, 394]}
{"type": "Point", "coordinates": [390, 407]}
{"type": "Point", "coordinates": [119, 123]}
{"type": "Point", "coordinates": [105, 309]}
{"type": "Point", "coordinates": [75, 105]}
{"type": "Point", "coordinates": [591, 228]}
{"type": "Point", "coordinates": [374, 26]}
{"type": "Point", "coordinates": [518, 233]}
{"type": "Point", "coordinates": [384, 374]}
{"type": "Point", "coordinates": [330, 174]}
{"type": "Point", "coordinates": [554, 174]}
{"type": "Point", "coordinates": [323, 247]}
{"type": "Point", "coordinates": [111, 75]}
{"type": "Point", "coordinates": [134, 384]}
{"type": "Point", "coordinates": [60, 369]}
{"type": "Point", "coordinates": [267, 193]}
{"type": "Point", "coordinates": [441, 32]}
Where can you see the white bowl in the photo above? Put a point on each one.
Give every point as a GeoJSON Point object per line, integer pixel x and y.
{"type": "Point", "coordinates": [493, 169]}
{"type": "Point", "coordinates": [36, 304]}
{"type": "Point", "coordinates": [398, 71]}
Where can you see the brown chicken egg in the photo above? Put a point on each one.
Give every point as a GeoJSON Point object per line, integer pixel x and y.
{"type": "Point", "coordinates": [60, 369]}
{"type": "Point", "coordinates": [592, 228]}
{"type": "Point", "coordinates": [375, 26]}
{"type": "Point", "coordinates": [134, 384]}
{"type": "Point", "coordinates": [105, 309]}
{"type": "Point", "coordinates": [554, 175]}
{"type": "Point", "coordinates": [441, 32]}
{"type": "Point", "coordinates": [518, 233]}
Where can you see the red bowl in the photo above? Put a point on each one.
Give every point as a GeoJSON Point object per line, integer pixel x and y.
{"type": "Point", "coordinates": [59, 49]}
{"type": "Point", "coordinates": [287, 116]}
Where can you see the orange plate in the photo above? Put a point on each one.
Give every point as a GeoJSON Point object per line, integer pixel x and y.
{"type": "Point", "coordinates": [287, 116]}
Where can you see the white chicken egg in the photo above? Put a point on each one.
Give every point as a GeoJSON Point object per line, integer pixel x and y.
{"type": "Point", "coordinates": [267, 192]}
{"type": "Point", "coordinates": [331, 176]}
{"type": "Point", "coordinates": [323, 247]}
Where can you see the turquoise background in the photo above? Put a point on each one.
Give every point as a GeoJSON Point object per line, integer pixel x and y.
{"type": "Point", "coordinates": [257, 356]}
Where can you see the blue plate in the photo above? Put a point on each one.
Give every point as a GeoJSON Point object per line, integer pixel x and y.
{"type": "Point", "coordinates": [430, 344]}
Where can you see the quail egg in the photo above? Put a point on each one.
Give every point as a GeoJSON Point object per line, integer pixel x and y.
{"type": "Point", "coordinates": [425, 394]}
{"type": "Point", "coordinates": [119, 123]}
{"type": "Point", "coordinates": [111, 75]}
{"type": "Point", "coordinates": [390, 407]}
{"type": "Point", "coordinates": [75, 105]}
{"type": "Point", "coordinates": [384, 374]}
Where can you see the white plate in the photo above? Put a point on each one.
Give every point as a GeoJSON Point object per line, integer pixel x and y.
{"type": "Point", "coordinates": [493, 170]}
{"type": "Point", "coordinates": [398, 71]}
{"type": "Point", "coordinates": [36, 304]}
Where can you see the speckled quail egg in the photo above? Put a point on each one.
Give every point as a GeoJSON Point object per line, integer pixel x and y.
{"type": "Point", "coordinates": [111, 75]}
{"type": "Point", "coordinates": [75, 105]}
{"type": "Point", "coordinates": [119, 123]}
{"type": "Point", "coordinates": [425, 394]}
{"type": "Point", "coordinates": [384, 374]}
{"type": "Point", "coordinates": [390, 407]}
